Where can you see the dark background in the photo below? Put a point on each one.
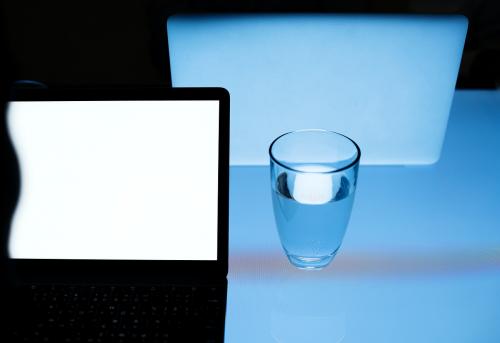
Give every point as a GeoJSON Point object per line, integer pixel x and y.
{"type": "Point", "coordinates": [123, 42]}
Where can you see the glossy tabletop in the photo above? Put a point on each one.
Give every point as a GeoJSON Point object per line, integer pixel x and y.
{"type": "Point", "coordinates": [420, 260]}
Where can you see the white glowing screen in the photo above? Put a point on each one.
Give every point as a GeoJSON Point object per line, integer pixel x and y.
{"type": "Point", "coordinates": [116, 180]}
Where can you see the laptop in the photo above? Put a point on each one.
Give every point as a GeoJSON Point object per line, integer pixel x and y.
{"type": "Point", "coordinates": [120, 228]}
{"type": "Point", "coordinates": [386, 81]}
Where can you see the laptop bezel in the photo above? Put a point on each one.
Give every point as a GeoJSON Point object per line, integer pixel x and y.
{"type": "Point", "coordinates": [76, 269]}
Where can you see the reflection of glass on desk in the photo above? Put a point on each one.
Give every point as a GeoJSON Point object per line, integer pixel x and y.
{"type": "Point", "coordinates": [305, 311]}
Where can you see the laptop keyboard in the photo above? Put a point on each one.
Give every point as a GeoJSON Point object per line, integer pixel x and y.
{"type": "Point", "coordinates": [118, 313]}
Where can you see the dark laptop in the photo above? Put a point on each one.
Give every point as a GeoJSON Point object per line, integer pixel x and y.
{"type": "Point", "coordinates": [120, 228]}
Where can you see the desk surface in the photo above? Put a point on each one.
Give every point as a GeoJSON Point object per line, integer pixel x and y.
{"type": "Point", "coordinates": [420, 260]}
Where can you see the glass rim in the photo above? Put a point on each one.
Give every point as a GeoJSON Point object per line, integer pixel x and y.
{"type": "Point", "coordinates": [354, 162]}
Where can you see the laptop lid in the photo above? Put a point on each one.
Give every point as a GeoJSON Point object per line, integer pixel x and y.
{"type": "Point", "coordinates": [131, 180]}
{"type": "Point", "coordinates": [386, 81]}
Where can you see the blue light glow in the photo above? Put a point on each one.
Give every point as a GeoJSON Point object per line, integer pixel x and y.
{"type": "Point", "coordinates": [420, 260]}
{"type": "Point", "coordinates": [385, 81]}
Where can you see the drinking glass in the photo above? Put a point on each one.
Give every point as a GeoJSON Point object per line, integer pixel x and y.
{"type": "Point", "coordinates": [313, 180]}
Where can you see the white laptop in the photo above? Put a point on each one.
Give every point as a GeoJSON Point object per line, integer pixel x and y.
{"type": "Point", "coordinates": [386, 81]}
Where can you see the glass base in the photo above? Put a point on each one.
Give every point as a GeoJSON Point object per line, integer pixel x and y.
{"type": "Point", "coordinates": [311, 263]}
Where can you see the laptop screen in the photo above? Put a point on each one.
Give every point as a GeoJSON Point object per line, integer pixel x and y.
{"type": "Point", "coordinates": [131, 180]}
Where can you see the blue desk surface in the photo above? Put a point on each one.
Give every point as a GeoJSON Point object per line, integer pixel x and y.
{"type": "Point", "coordinates": [420, 260]}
